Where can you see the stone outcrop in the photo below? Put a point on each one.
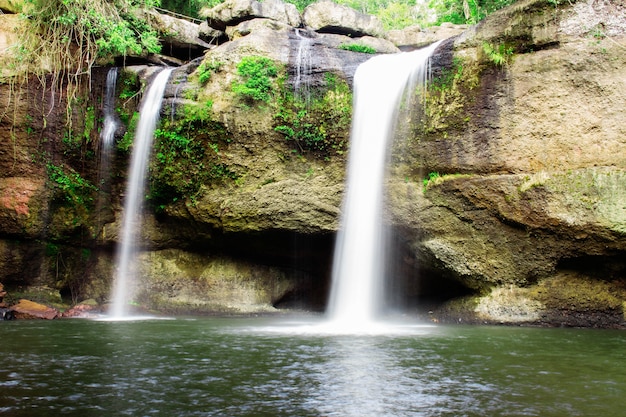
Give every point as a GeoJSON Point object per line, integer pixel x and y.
{"type": "Point", "coordinates": [325, 16]}
{"type": "Point", "coordinates": [233, 12]}
{"type": "Point", "coordinates": [416, 37]}
{"type": "Point", "coordinates": [26, 309]}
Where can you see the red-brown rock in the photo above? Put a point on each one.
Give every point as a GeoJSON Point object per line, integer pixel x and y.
{"type": "Point", "coordinates": [81, 310]}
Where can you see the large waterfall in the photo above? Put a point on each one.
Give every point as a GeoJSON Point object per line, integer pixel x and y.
{"type": "Point", "coordinates": [135, 189]}
{"type": "Point", "coordinates": [358, 275]}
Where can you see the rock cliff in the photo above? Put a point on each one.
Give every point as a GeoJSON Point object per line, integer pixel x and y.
{"type": "Point", "coordinates": [506, 189]}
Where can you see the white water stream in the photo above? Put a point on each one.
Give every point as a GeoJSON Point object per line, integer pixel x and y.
{"type": "Point", "coordinates": [135, 189]}
{"type": "Point", "coordinates": [109, 126]}
{"type": "Point", "coordinates": [357, 292]}
{"type": "Point", "coordinates": [303, 65]}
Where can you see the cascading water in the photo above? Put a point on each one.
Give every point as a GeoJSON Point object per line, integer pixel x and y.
{"type": "Point", "coordinates": [359, 264]}
{"type": "Point", "coordinates": [303, 66]}
{"type": "Point", "coordinates": [131, 223]}
{"type": "Point", "coordinates": [109, 126]}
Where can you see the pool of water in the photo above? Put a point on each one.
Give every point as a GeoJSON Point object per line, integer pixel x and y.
{"type": "Point", "coordinates": [283, 367]}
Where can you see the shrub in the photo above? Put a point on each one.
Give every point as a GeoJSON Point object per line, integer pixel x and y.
{"type": "Point", "coordinates": [357, 47]}
{"type": "Point", "coordinates": [256, 73]}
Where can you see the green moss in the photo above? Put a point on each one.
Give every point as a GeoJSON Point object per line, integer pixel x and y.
{"type": "Point", "coordinates": [447, 98]}
{"type": "Point", "coordinates": [578, 293]}
{"type": "Point", "coordinates": [188, 156]}
{"type": "Point", "coordinates": [434, 178]}
{"type": "Point", "coordinates": [319, 123]}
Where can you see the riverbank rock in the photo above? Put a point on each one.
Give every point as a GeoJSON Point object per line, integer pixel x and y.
{"type": "Point", "coordinates": [26, 309]}
{"type": "Point", "coordinates": [85, 309]}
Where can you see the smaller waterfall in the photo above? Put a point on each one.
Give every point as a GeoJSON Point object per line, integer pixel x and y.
{"type": "Point", "coordinates": [110, 125]}
{"type": "Point", "coordinates": [359, 265]}
{"type": "Point", "coordinates": [110, 119]}
{"type": "Point", "coordinates": [135, 189]}
{"type": "Point", "coordinates": [303, 65]}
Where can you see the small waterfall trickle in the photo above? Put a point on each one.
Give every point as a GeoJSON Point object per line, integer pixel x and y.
{"type": "Point", "coordinates": [359, 264]}
{"type": "Point", "coordinates": [110, 125]}
{"type": "Point", "coordinates": [303, 65]}
{"type": "Point", "coordinates": [135, 189]}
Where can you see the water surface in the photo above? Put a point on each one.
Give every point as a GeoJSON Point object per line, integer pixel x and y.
{"type": "Point", "coordinates": [275, 367]}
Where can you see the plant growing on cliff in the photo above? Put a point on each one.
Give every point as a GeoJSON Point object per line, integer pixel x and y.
{"type": "Point", "coordinates": [319, 123]}
{"type": "Point", "coordinates": [64, 39]}
{"type": "Point", "coordinates": [206, 70]}
{"type": "Point", "coordinates": [357, 47]}
{"type": "Point", "coordinates": [70, 186]}
{"type": "Point", "coordinates": [500, 54]}
{"type": "Point", "coordinates": [188, 156]}
{"type": "Point", "coordinates": [446, 98]}
{"type": "Point", "coordinates": [256, 75]}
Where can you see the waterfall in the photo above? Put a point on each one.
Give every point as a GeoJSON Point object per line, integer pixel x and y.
{"type": "Point", "coordinates": [110, 120]}
{"type": "Point", "coordinates": [135, 189]}
{"type": "Point", "coordinates": [303, 66]}
{"type": "Point", "coordinates": [359, 261]}
{"type": "Point", "coordinates": [109, 127]}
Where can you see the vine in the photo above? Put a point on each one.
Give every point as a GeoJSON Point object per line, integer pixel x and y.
{"type": "Point", "coordinates": [64, 39]}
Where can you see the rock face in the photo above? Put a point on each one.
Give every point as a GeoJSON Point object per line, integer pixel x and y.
{"type": "Point", "coordinates": [506, 190]}
{"type": "Point", "coordinates": [233, 12]}
{"type": "Point", "coordinates": [327, 16]}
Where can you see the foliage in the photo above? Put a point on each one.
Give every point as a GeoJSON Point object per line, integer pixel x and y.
{"type": "Point", "coordinates": [206, 69]}
{"type": "Point", "coordinates": [447, 98]}
{"type": "Point", "coordinates": [65, 38]}
{"type": "Point", "coordinates": [500, 54]}
{"type": "Point", "coordinates": [124, 144]}
{"type": "Point", "coordinates": [320, 123]}
{"type": "Point", "coordinates": [128, 84]}
{"type": "Point", "coordinates": [357, 47]}
{"type": "Point", "coordinates": [70, 187]}
{"type": "Point", "coordinates": [466, 11]}
{"type": "Point", "coordinates": [188, 7]}
{"type": "Point", "coordinates": [256, 73]}
{"type": "Point", "coordinates": [187, 155]}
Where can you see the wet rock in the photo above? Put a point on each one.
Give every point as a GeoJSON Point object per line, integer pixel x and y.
{"type": "Point", "coordinates": [83, 310]}
{"type": "Point", "coordinates": [329, 17]}
{"type": "Point", "coordinates": [26, 309]}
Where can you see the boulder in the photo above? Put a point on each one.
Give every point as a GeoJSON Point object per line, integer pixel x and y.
{"type": "Point", "coordinates": [416, 37]}
{"type": "Point", "coordinates": [26, 309]}
{"type": "Point", "coordinates": [381, 45]}
{"type": "Point", "coordinates": [233, 12]}
{"type": "Point", "coordinates": [256, 25]}
{"type": "Point", "coordinates": [82, 310]}
{"type": "Point", "coordinates": [180, 37]}
{"type": "Point", "coordinates": [328, 17]}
